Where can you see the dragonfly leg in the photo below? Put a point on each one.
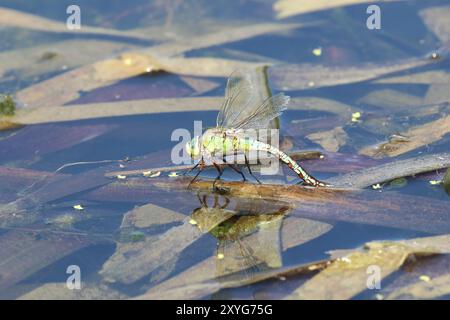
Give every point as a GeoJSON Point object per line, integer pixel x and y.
{"type": "Point", "coordinates": [232, 166]}
{"type": "Point", "coordinates": [192, 169]}
{"type": "Point", "coordinates": [227, 202]}
{"type": "Point", "coordinates": [238, 171]}
{"type": "Point", "coordinates": [249, 169]}
{"type": "Point", "coordinates": [220, 172]}
{"type": "Point", "coordinates": [201, 163]}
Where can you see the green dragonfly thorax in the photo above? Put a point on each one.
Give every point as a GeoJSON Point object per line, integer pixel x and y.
{"type": "Point", "coordinates": [217, 142]}
{"type": "Point", "coordinates": [193, 147]}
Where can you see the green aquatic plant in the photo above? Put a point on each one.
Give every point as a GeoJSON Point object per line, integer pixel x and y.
{"type": "Point", "coordinates": [7, 105]}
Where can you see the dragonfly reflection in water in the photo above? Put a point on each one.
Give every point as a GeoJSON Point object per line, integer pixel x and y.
{"type": "Point", "coordinates": [248, 235]}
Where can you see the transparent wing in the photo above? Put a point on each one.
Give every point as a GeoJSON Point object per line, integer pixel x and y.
{"type": "Point", "coordinates": [260, 117]}
{"type": "Point", "coordinates": [238, 261]}
{"type": "Point", "coordinates": [241, 109]}
{"type": "Point", "coordinates": [238, 97]}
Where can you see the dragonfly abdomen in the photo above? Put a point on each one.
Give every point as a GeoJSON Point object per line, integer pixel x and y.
{"type": "Point", "coordinates": [291, 163]}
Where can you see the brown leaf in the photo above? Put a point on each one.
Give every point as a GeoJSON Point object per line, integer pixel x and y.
{"type": "Point", "coordinates": [425, 77]}
{"type": "Point", "coordinates": [66, 87]}
{"type": "Point", "coordinates": [57, 56]}
{"type": "Point", "coordinates": [347, 276]}
{"type": "Point", "coordinates": [149, 215]}
{"type": "Point", "coordinates": [307, 76]}
{"type": "Point", "coordinates": [436, 19]}
{"type": "Point", "coordinates": [59, 291]}
{"type": "Point", "coordinates": [13, 18]}
{"type": "Point", "coordinates": [287, 8]}
{"type": "Point", "coordinates": [331, 140]}
{"type": "Point", "coordinates": [417, 137]}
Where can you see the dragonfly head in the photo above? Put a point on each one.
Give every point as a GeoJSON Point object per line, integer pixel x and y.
{"type": "Point", "coordinates": [193, 147]}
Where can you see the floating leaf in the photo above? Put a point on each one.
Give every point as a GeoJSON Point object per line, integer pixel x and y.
{"type": "Point", "coordinates": [348, 276]}
{"type": "Point", "coordinates": [114, 109]}
{"type": "Point", "coordinates": [392, 170]}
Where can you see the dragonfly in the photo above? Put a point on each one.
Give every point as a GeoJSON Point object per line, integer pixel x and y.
{"type": "Point", "coordinates": [239, 112]}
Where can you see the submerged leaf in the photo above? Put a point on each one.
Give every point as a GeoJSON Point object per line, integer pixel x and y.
{"type": "Point", "coordinates": [200, 85]}
{"type": "Point", "coordinates": [391, 99]}
{"type": "Point", "coordinates": [438, 93]}
{"type": "Point", "coordinates": [60, 291]}
{"type": "Point", "coordinates": [307, 76]}
{"type": "Point", "coordinates": [297, 231]}
{"type": "Point", "coordinates": [133, 261]}
{"type": "Point", "coordinates": [331, 140]}
{"type": "Point", "coordinates": [431, 289]}
{"type": "Point", "coordinates": [436, 19]}
{"type": "Point", "coordinates": [13, 18]}
{"type": "Point", "coordinates": [425, 77]}
{"type": "Point", "coordinates": [23, 253]}
{"type": "Point", "coordinates": [66, 87]}
{"type": "Point", "coordinates": [27, 63]}
{"type": "Point", "coordinates": [115, 109]}
{"type": "Point", "coordinates": [418, 136]}
{"type": "Point", "coordinates": [203, 276]}
{"type": "Point", "coordinates": [149, 215]}
{"type": "Point", "coordinates": [287, 8]}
